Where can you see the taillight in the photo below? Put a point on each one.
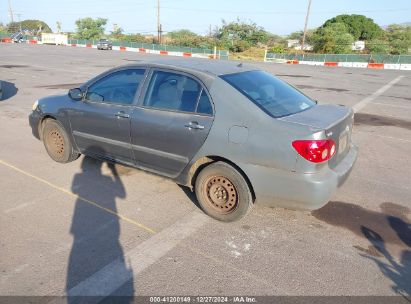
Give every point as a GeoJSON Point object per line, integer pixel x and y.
{"type": "Point", "coordinates": [316, 151]}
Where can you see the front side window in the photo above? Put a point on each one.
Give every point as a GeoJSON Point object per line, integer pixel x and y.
{"type": "Point", "coordinates": [172, 91]}
{"type": "Point", "coordinates": [119, 87]}
{"type": "Point", "coordinates": [272, 95]}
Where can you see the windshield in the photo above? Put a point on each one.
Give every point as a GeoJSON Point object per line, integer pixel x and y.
{"type": "Point", "coordinates": [272, 95]}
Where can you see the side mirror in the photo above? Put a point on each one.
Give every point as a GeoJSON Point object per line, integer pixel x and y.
{"type": "Point", "coordinates": [76, 94]}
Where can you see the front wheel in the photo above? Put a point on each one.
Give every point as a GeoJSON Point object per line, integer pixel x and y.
{"type": "Point", "coordinates": [223, 193]}
{"type": "Point", "coordinates": [57, 142]}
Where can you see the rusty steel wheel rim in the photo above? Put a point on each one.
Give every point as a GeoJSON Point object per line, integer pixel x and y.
{"type": "Point", "coordinates": [221, 194]}
{"type": "Point", "coordinates": [55, 143]}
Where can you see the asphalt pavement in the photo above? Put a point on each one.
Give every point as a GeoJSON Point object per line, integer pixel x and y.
{"type": "Point", "coordinates": [85, 228]}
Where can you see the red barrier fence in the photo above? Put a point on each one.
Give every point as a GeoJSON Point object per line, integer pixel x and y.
{"type": "Point", "coordinates": [331, 64]}
{"type": "Point", "coordinates": [376, 65]}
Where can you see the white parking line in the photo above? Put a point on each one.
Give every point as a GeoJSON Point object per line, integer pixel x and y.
{"type": "Point", "coordinates": [108, 279]}
{"type": "Point", "coordinates": [29, 65]}
{"type": "Point", "coordinates": [360, 105]}
{"type": "Point", "coordinates": [390, 105]}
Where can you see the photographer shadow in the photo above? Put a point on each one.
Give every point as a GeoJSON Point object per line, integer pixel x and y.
{"type": "Point", "coordinates": [96, 233]}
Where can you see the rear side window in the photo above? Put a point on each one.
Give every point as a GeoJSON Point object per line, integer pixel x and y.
{"type": "Point", "coordinates": [272, 95]}
{"type": "Point", "coordinates": [204, 104]}
{"type": "Point", "coordinates": [118, 87]}
{"type": "Point", "coordinates": [175, 92]}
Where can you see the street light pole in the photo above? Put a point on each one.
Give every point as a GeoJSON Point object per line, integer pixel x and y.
{"type": "Point", "coordinates": [305, 26]}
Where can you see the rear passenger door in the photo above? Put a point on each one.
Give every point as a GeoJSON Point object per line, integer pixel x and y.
{"type": "Point", "coordinates": [171, 122]}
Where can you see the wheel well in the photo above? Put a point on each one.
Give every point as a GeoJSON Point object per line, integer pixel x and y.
{"type": "Point", "coordinates": [40, 126]}
{"type": "Point", "coordinates": [203, 162]}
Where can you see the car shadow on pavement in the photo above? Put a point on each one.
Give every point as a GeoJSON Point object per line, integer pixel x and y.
{"type": "Point", "coordinates": [96, 232]}
{"type": "Point", "coordinates": [8, 90]}
{"type": "Point", "coordinates": [190, 195]}
{"type": "Point", "coordinates": [390, 226]}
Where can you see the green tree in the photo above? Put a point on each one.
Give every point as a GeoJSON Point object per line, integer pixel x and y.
{"type": "Point", "coordinates": [334, 38]}
{"type": "Point", "coordinates": [187, 38]}
{"type": "Point", "coordinates": [296, 35]}
{"type": "Point", "coordinates": [378, 46]}
{"type": "Point", "coordinates": [13, 27]}
{"type": "Point", "coordinates": [3, 29]}
{"type": "Point", "coordinates": [359, 26]}
{"type": "Point", "coordinates": [89, 28]}
{"type": "Point", "coordinates": [399, 38]}
{"type": "Point", "coordinates": [277, 49]}
{"type": "Point", "coordinates": [241, 35]}
{"type": "Point", "coordinates": [274, 40]}
{"type": "Point", "coordinates": [31, 27]}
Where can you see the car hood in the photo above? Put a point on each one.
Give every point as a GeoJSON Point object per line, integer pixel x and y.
{"type": "Point", "coordinates": [51, 98]}
{"type": "Point", "coordinates": [320, 117]}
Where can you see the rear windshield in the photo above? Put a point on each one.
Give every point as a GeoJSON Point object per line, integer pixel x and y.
{"type": "Point", "coordinates": [272, 95]}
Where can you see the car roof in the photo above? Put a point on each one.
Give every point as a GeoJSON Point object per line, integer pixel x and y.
{"type": "Point", "coordinates": [206, 67]}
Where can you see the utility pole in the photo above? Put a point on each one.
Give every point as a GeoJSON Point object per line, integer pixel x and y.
{"type": "Point", "coordinates": [158, 22]}
{"type": "Point", "coordinates": [18, 16]}
{"type": "Point", "coordinates": [11, 12]}
{"type": "Point", "coordinates": [305, 26]}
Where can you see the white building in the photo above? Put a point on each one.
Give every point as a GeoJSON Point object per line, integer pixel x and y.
{"type": "Point", "coordinates": [358, 46]}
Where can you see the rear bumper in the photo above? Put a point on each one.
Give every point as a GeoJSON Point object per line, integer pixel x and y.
{"type": "Point", "coordinates": [34, 121]}
{"type": "Point", "coordinates": [278, 188]}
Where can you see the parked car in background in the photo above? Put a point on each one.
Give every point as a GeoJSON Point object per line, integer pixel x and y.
{"type": "Point", "coordinates": [104, 44]}
{"type": "Point", "coordinates": [1, 90]}
{"type": "Point", "coordinates": [234, 134]}
{"type": "Point", "coordinates": [17, 38]}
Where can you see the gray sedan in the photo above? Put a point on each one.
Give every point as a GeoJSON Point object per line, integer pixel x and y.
{"type": "Point", "coordinates": [104, 44]}
{"type": "Point", "coordinates": [235, 135]}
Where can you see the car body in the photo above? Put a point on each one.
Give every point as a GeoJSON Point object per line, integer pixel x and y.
{"type": "Point", "coordinates": [104, 44]}
{"type": "Point", "coordinates": [230, 124]}
{"type": "Point", "coordinates": [17, 38]}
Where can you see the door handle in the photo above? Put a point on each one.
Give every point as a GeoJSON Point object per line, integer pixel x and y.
{"type": "Point", "coordinates": [194, 125]}
{"type": "Point", "coordinates": [122, 114]}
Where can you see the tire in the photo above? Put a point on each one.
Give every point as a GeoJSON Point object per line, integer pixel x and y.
{"type": "Point", "coordinates": [223, 193]}
{"type": "Point", "coordinates": [57, 142]}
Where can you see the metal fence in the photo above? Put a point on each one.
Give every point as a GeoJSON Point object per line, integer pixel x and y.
{"type": "Point", "coordinates": [25, 37]}
{"type": "Point", "coordinates": [371, 58]}
{"type": "Point", "coordinates": [222, 54]}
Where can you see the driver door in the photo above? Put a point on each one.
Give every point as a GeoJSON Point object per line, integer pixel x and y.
{"type": "Point", "coordinates": [101, 122]}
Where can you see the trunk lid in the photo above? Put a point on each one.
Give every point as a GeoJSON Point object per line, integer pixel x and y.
{"type": "Point", "coordinates": [335, 120]}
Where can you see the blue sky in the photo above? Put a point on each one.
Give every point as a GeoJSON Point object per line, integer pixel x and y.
{"type": "Point", "coordinates": [279, 17]}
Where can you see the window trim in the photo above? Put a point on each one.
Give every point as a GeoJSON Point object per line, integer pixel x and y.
{"type": "Point", "coordinates": [106, 75]}
{"type": "Point", "coordinates": [144, 91]}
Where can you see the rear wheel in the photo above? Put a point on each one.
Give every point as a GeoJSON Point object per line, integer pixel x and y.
{"type": "Point", "coordinates": [223, 193]}
{"type": "Point", "coordinates": [57, 142]}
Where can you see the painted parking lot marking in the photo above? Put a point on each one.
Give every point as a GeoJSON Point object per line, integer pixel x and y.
{"type": "Point", "coordinates": [391, 105]}
{"type": "Point", "coordinates": [111, 277]}
{"type": "Point", "coordinates": [360, 105]}
{"type": "Point", "coordinates": [39, 179]}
